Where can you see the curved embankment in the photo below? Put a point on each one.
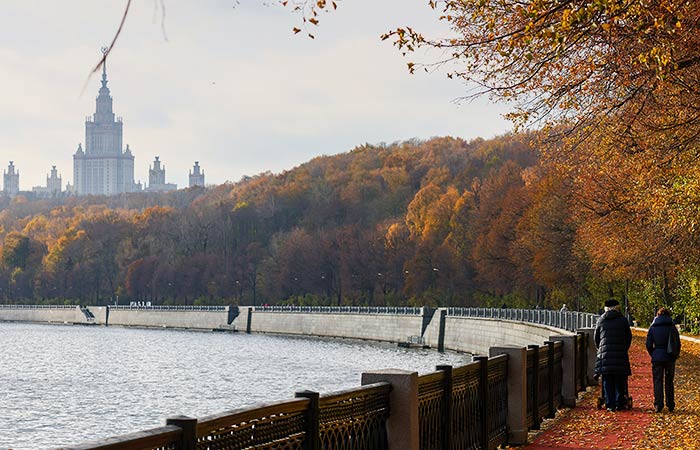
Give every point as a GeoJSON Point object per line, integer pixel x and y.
{"type": "Point", "coordinates": [424, 326]}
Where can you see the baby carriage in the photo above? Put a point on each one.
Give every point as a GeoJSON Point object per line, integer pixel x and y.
{"type": "Point", "coordinates": [601, 399]}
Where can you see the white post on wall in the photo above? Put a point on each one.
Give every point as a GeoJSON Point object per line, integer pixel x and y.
{"type": "Point", "coordinates": [591, 357]}
{"type": "Point", "coordinates": [402, 425]}
{"type": "Point", "coordinates": [517, 392]}
{"type": "Point", "coordinates": [568, 365]}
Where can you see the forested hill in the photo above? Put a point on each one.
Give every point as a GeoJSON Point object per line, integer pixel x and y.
{"type": "Point", "coordinates": [377, 224]}
{"type": "Point", "coordinates": [445, 222]}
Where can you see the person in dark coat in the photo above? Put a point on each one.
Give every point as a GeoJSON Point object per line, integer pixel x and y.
{"type": "Point", "coordinates": [662, 337]}
{"type": "Point", "coordinates": [613, 338]}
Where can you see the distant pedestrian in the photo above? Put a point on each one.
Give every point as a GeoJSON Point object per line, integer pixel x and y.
{"type": "Point", "coordinates": [664, 346]}
{"type": "Point", "coordinates": [613, 338]}
{"type": "Point", "coordinates": [563, 308]}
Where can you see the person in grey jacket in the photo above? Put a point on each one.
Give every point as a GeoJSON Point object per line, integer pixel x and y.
{"type": "Point", "coordinates": [613, 338]}
{"type": "Point", "coordinates": [664, 345]}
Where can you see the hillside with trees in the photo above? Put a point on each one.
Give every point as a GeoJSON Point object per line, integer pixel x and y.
{"type": "Point", "coordinates": [441, 222]}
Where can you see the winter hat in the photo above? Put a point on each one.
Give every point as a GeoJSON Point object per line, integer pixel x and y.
{"type": "Point", "coordinates": [610, 303]}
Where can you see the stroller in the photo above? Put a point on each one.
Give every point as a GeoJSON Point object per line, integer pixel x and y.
{"type": "Point", "coordinates": [601, 399]}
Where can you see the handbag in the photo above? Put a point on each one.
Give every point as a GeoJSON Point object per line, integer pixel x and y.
{"type": "Point", "coordinates": [670, 348]}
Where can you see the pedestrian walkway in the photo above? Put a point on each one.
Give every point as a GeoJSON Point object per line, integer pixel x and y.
{"type": "Point", "coordinates": [587, 427]}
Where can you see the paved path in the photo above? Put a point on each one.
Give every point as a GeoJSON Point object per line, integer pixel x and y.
{"type": "Point", "coordinates": [587, 427]}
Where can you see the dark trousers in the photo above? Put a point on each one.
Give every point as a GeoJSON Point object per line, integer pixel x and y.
{"type": "Point", "coordinates": [615, 389]}
{"type": "Point", "coordinates": [663, 373]}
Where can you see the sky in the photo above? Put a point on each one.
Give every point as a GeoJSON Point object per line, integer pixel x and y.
{"type": "Point", "coordinates": [222, 82]}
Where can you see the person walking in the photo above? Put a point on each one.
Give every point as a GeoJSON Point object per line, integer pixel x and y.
{"type": "Point", "coordinates": [613, 338]}
{"type": "Point", "coordinates": [664, 345]}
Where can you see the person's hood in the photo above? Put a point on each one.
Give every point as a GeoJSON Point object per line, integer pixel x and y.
{"type": "Point", "coordinates": [662, 321]}
{"type": "Point", "coordinates": [611, 314]}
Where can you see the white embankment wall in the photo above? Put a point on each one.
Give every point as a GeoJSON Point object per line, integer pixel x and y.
{"type": "Point", "coordinates": [474, 335]}
{"type": "Point", "coordinates": [55, 314]}
{"type": "Point", "coordinates": [163, 318]}
{"type": "Point", "coordinates": [377, 327]}
{"type": "Point", "coordinates": [477, 335]}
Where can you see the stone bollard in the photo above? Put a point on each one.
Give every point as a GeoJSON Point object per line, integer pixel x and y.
{"type": "Point", "coordinates": [188, 439]}
{"type": "Point", "coordinates": [591, 357]}
{"type": "Point", "coordinates": [569, 392]}
{"type": "Point", "coordinates": [517, 392]}
{"type": "Point", "coordinates": [402, 426]}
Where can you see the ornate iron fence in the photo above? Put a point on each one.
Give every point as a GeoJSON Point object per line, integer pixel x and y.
{"type": "Point", "coordinates": [355, 419]}
{"type": "Point", "coordinates": [283, 423]}
{"type": "Point", "coordinates": [544, 382]}
{"type": "Point", "coordinates": [162, 438]}
{"type": "Point", "coordinates": [464, 407]}
{"type": "Point", "coordinates": [432, 410]}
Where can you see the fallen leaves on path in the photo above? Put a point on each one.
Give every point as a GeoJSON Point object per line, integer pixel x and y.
{"type": "Point", "coordinates": [586, 427]}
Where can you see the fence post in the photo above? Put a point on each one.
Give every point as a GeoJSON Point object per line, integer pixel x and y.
{"type": "Point", "coordinates": [550, 377]}
{"type": "Point", "coordinates": [535, 387]}
{"type": "Point", "coordinates": [447, 413]}
{"type": "Point", "coordinates": [591, 351]}
{"type": "Point", "coordinates": [441, 331]}
{"type": "Point", "coordinates": [517, 392]}
{"type": "Point", "coordinates": [402, 426]}
{"type": "Point", "coordinates": [249, 320]}
{"type": "Point", "coordinates": [568, 367]}
{"type": "Point", "coordinates": [484, 397]}
{"type": "Point", "coordinates": [188, 440]}
{"type": "Point", "coordinates": [313, 434]}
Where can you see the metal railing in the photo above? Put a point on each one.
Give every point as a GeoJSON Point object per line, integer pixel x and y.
{"type": "Point", "coordinates": [567, 320]}
{"type": "Point", "coordinates": [389, 310]}
{"type": "Point", "coordinates": [354, 418]}
{"type": "Point", "coordinates": [169, 308]}
{"type": "Point", "coordinates": [464, 407]}
{"type": "Point", "coordinates": [38, 306]}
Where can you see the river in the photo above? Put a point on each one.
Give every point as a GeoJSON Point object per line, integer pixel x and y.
{"type": "Point", "coordinates": [63, 385]}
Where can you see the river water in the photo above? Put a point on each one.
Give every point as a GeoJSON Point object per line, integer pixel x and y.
{"type": "Point", "coordinates": [63, 385]}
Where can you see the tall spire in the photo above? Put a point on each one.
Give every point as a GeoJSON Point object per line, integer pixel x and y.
{"type": "Point", "coordinates": [103, 112]}
{"type": "Point", "coordinates": [104, 67]}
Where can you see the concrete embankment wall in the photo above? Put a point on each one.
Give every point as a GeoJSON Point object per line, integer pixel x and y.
{"type": "Point", "coordinates": [377, 327]}
{"type": "Point", "coordinates": [143, 318]}
{"type": "Point", "coordinates": [43, 315]}
{"type": "Point", "coordinates": [477, 335]}
{"type": "Point", "coordinates": [474, 335]}
{"type": "Point", "coordinates": [196, 320]}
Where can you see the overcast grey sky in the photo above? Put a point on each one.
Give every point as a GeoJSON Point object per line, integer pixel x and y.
{"type": "Point", "coordinates": [231, 86]}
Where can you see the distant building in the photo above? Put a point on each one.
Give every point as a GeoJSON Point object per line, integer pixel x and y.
{"type": "Point", "coordinates": [103, 168]}
{"type": "Point", "coordinates": [156, 178]}
{"type": "Point", "coordinates": [52, 188]}
{"type": "Point", "coordinates": [10, 180]}
{"type": "Point", "coordinates": [196, 176]}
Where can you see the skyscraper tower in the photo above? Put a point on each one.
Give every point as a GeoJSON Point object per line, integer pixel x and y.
{"type": "Point", "coordinates": [156, 178]}
{"type": "Point", "coordinates": [53, 182]}
{"type": "Point", "coordinates": [103, 168]}
{"type": "Point", "coordinates": [10, 180]}
{"type": "Point", "coordinates": [196, 175]}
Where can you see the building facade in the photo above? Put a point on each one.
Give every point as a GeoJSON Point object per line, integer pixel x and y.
{"type": "Point", "coordinates": [103, 168]}
{"type": "Point", "coordinates": [53, 186]}
{"type": "Point", "coordinates": [156, 178]}
{"type": "Point", "coordinates": [10, 180]}
{"type": "Point", "coordinates": [196, 175]}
